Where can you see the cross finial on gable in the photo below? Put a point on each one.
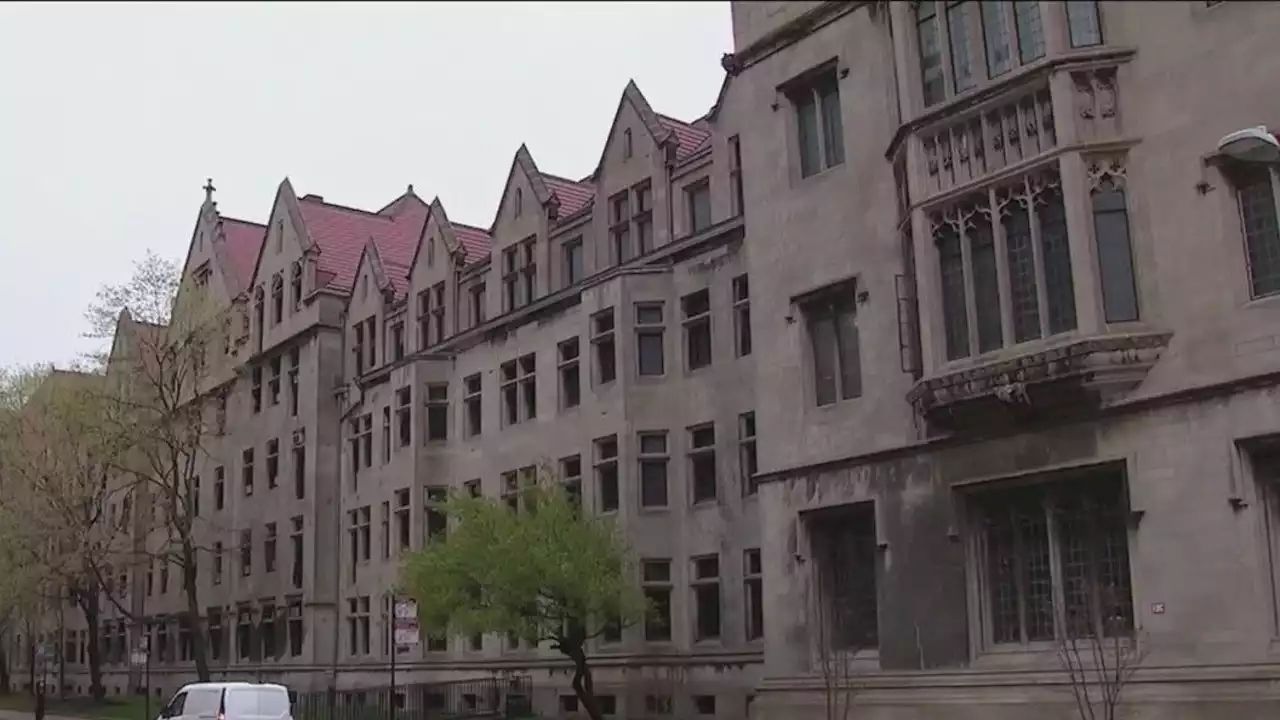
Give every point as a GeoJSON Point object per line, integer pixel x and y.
{"type": "Point", "coordinates": [208, 190]}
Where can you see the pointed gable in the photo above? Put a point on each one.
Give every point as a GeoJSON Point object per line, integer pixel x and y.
{"type": "Point", "coordinates": [227, 244]}
{"type": "Point", "coordinates": [689, 137]}
{"type": "Point", "coordinates": [524, 164]}
{"type": "Point", "coordinates": [631, 96]}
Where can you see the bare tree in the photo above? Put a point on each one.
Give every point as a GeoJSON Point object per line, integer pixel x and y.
{"type": "Point", "coordinates": [1099, 649]}
{"type": "Point", "coordinates": [837, 651]}
{"type": "Point", "coordinates": [165, 382]}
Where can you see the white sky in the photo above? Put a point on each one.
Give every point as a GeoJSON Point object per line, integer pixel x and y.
{"type": "Point", "coordinates": [112, 116]}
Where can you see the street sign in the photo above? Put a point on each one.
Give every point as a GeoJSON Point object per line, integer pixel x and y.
{"type": "Point", "coordinates": [406, 624]}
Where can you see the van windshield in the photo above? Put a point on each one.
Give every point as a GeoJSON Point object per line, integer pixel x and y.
{"type": "Point", "coordinates": [256, 702]}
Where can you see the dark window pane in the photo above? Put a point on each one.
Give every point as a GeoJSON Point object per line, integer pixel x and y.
{"type": "Point", "coordinates": [1261, 229]}
{"type": "Point", "coordinates": [1115, 255]}
{"type": "Point", "coordinates": [986, 286]}
{"type": "Point", "coordinates": [1082, 19]}
{"type": "Point", "coordinates": [832, 124]}
{"type": "Point", "coordinates": [954, 306]}
{"type": "Point", "coordinates": [1030, 31]}
{"type": "Point", "coordinates": [653, 483]}
{"type": "Point", "coordinates": [995, 35]}
{"type": "Point", "coordinates": [958, 24]}
{"type": "Point", "coordinates": [930, 53]}
{"type": "Point", "coordinates": [1022, 274]}
{"type": "Point", "coordinates": [807, 121]}
{"type": "Point", "coordinates": [822, 331]}
{"type": "Point", "coordinates": [650, 353]}
{"type": "Point", "coordinates": [1056, 251]}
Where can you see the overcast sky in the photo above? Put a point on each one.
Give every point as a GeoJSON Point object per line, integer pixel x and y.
{"type": "Point", "coordinates": [112, 116]}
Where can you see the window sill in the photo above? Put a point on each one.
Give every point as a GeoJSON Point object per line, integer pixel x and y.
{"type": "Point", "coordinates": [706, 504]}
{"type": "Point", "coordinates": [1263, 302]}
{"type": "Point", "coordinates": [655, 510]}
{"type": "Point", "coordinates": [695, 372]}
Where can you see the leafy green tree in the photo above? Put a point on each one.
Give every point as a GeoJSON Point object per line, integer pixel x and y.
{"type": "Point", "coordinates": [540, 570]}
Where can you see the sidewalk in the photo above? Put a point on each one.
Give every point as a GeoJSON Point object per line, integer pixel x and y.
{"type": "Point", "coordinates": [25, 715]}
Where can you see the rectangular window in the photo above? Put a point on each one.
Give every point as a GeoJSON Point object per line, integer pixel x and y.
{"type": "Point", "coordinates": [606, 464]}
{"type": "Point", "coordinates": [1041, 294]}
{"type": "Point", "coordinates": [602, 340]}
{"type": "Point", "coordinates": [384, 518]}
{"type": "Point", "coordinates": [294, 362]}
{"type": "Point", "coordinates": [818, 122]}
{"type": "Point", "coordinates": [519, 274]}
{"type": "Point", "coordinates": [706, 597]}
{"type": "Point", "coordinates": [219, 488]}
{"type": "Point", "coordinates": [748, 464]}
{"type": "Point", "coordinates": [1256, 191]}
{"type": "Point", "coordinates": [1083, 23]}
{"type": "Point", "coordinates": [702, 463]}
{"type": "Point", "coordinates": [961, 31]}
{"type": "Point", "coordinates": [357, 347]}
{"type": "Point", "coordinates": [519, 390]}
{"type": "Point", "coordinates": [753, 593]}
{"type": "Point", "coordinates": [404, 523]}
{"type": "Point", "coordinates": [246, 471]}
{"type": "Point", "coordinates": [656, 585]}
{"type": "Point", "coordinates": [255, 389]}
{"type": "Point", "coordinates": [928, 40]}
{"type": "Point", "coordinates": [397, 341]}
{"type": "Point", "coordinates": [269, 549]}
{"type": "Point", "coordinates": [386, 434]}
{"type": "Point", "coordinates": [570, 376]}
{"type": "Point", "coordinates": [478, 312]}
{"type": "Point", "coordinates": [620, 226]}
{"type": "Point", "coordinates": [736, 197]}
{"type": "Point", "coordinates": [300, 472]}
{"type": "Point", "coordinates": [643, 217]}
{"type": "Point", "coordinates": [295, 627]}
{"type": "Point", "coordinates": [295, 540]}
{"type": "Point", "coordinates": [653, 461]}
{"type": "Point", "coordinates": [217, 563]}
{"type": "Point", "coordinates": [404, 415]}
{"type": "Point", "coordinates": [246, 553]}
{"type": "Point", "coordinates": [650, 338]}
{"type": "Point", "coordinates": [571, 271]}
{"type": "Point", "coordinates": [371, 330]}
{"type": "Point", "coordinates": [571, 477]}
{"type": "Point", "coordinates": [244, 632]}
{"type": "Point", "coordinates": [273, 382]}
{"type": "Point", "coordinates": [834, 345]}
{"type": "Point", "coordinates": [843, 541]}
{"type": "Point", "coordinates": [697, 329]}
{"type": "Point", "coordinates": [1055, 550]}
{"type": "Point", "coordinates": [424, 319]}
{"type": "Point", "coordinates": [437, 412]}
{"type": "Point", "coordinates": [996, 30]}
{"type": "Point", "coordinates": [1030, 31]}
{"type": "Point", "coordinates": [741, 316]}
{"type": "Point", "coordinates": [1115, 253]}
{"type": "Point", "coordinates": [472, 402]}
{"type": "Point", "coordinates": [698, 196]}
{"type": "Point", "coordinates": [437, 523]}
{"type": "Point", "coordinates": [273, 463]}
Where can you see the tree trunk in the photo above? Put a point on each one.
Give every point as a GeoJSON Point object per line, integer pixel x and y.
{"type": "Point", "coordinates": [90, 604]}
{"type": "Point", "coordinates": [582, 684]}
{"type": "Point", "coordinates": [199, 646]}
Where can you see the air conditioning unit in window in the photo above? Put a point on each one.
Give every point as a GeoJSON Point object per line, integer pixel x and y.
{"type": "Point", "coordinates": [299, 437]}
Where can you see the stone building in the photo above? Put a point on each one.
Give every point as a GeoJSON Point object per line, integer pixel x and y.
{"type": "Point", "coordinates": [950, 260]}
{"type": "Point", "coordinates": [1025, 310]}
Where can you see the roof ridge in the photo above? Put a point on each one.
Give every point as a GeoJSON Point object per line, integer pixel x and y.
{"type": "Point", "coordinates": [562, 178]}
{"type": "Point", "coordinates": [315, 201]}
{"type": "Point", "coordinates": [242, 221]}
{"type": "Point", "coordinates": [470, 227]}
{"type": "Point", "coordinates": [672, 118]}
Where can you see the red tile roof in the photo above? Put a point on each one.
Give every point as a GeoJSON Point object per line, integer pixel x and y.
{"type": "Point", "coordinates": [573, 196]}
{"type": "Point", "coordinates": [690, 138]}
{"type": "Point", "coordinates": [244, 242]}
{"type": "Point", "coordinates": [475, 242]}
{"type": "Point", "coordinates": [342, 232]}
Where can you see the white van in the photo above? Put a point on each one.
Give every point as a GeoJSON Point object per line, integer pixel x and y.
{"type": "Point", "coordinates": [229, 701]}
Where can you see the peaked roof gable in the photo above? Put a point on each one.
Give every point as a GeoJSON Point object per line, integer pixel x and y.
{"type": "Point", "coordinates": [233, 244]}
{"type": "Point", "coordinates": [524, 161]}
{"type": "Point", "coordinates": [288, 200]}
{"type": "Point", "coordinates": [391, 280]}
{"type": "Point", "coordinates": [631, 94]}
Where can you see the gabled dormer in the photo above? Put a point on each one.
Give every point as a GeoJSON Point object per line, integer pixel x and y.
{"type": "Point", "coordinates": [631, 182]}
{"type": "Point", "coordinates": [371, 340]}
{"type": "Point", "coordinates": [520, 231]}
{"type": "Point", "coordinates": [444, 254]}
{"type": "Point", "coordinates": [284, 276]}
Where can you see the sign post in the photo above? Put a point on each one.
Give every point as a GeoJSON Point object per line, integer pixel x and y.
{"type": "Point", "coordinates": [141, 657]}
{"type": "Point", "coordinates": [404, 634]}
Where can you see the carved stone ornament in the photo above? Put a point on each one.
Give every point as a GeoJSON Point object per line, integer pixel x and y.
{"type": "Point", "coordinates": [1100, 368]}
{"type": "Point", "coordinates": [1106, 172]}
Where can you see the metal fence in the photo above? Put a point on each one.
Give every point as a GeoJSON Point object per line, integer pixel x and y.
{"type": "Point", "coordinates": [507, 697]}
